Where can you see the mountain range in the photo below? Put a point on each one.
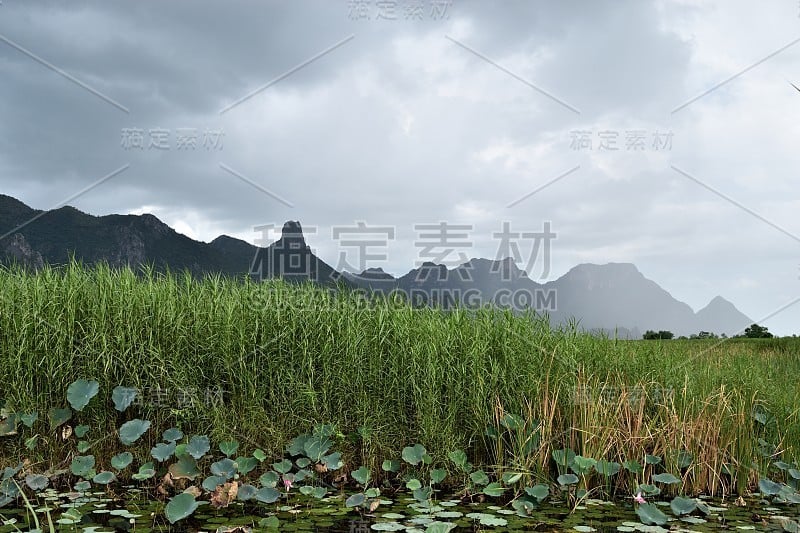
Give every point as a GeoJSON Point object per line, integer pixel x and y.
{"type": "Point", "coordinates": [614, 297]}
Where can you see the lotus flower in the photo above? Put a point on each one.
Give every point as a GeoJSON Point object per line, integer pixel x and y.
{"type": "Point", "coordinates": [638, 498]}
{"type": "Point", "coordinates": [287, 482]}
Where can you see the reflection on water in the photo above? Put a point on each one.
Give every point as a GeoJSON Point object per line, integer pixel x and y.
{"type": "Point", "coordinates": [96, 512]}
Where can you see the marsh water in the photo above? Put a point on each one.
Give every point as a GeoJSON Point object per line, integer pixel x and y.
{"type": "Point", "coordinates": [99, 512]}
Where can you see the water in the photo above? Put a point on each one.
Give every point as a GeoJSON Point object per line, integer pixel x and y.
{"type": "Point", "coordinates": [136, 512]}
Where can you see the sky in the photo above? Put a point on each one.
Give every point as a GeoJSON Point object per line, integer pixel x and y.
{"type": "Point", "coordinates": [660, 133]}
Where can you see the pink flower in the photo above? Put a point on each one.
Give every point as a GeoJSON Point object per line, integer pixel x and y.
{"type": "Point", "coordinates": [638, 498]}
{"type": "Point", "coordinates": [287, 482]}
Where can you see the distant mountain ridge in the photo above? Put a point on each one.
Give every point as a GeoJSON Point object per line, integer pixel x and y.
{"type": "Point", "coordinates": [614, 297]}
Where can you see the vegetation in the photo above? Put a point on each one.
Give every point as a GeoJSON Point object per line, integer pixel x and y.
{"type": "Point", "coordinates": [153, 367]}
{"type": "Point", "coordinates": [653, 335]}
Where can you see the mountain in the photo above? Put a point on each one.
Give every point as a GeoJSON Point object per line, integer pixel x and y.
{"type": "Point", "coordinates": [614, 298]}
{"type": "Point", "coordinates": [720, 315]}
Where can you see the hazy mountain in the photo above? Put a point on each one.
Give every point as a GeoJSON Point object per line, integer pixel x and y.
{"type": "Point", "coordinates": [615, 298]}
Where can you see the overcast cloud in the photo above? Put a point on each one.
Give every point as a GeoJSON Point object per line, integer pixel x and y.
{"type": "Point", "coordinates": [452, 113]}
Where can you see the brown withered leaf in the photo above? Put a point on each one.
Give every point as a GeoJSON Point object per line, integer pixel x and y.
{"type": "Point", "coordinates": [320, 468]}
{"type": "Point", "coordinates": [66, 432]}
{"type": "Point", "coordinates": [224, 494]}
{"type": "Point", "coordinates": [374, 505]}
{"type": "Point", "coordinates": [194, 491]}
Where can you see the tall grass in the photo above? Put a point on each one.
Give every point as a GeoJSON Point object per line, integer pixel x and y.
{"type": "Point", "coordinates": [389, 375]}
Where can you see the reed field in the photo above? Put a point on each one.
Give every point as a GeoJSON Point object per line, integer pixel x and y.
{"type": "Point", "coordinates": [264, 362]}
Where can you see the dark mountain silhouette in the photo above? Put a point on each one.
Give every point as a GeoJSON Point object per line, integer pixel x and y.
{"type": "Point", "coordinates": [615, 298]}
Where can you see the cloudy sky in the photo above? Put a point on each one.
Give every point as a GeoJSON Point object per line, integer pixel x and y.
{"type": "Point", "coordinates": [662, 133]}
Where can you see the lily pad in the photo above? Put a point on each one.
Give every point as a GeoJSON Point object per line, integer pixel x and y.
{"type": "Point", "coordinates": [172, 435]}
{"type": "Point", "coordinates": [122, 460]}
{"type": "Point", "coordinates": [82, 464]}
{"type": "Point", "coordinates": [123, 397]}
{"type": "Point", "coordinates": [132, 430]}
{"type": "Point", "coordinates": [80, 392]}
{"type": "Point", "coordinates": [413, 454]}
{"type": "Point", "coordinates": [198, 446]}
{"type": "Point", "coordinates": [162, 451]}
{"type": "Point", "coordinates": [361, 475]}
{"type": "Point", "coordinates": [37, 482]}
{"type": "Point", "coordinates": [681, 506]}
{"type": "Point", "coordinates": [180, 507]}
{"type": "Point", "coordinates": [59, 416]}
{"type": "Point", "coordinates": [104, 478]}
{"type": "Point", "coordinates": [651, 515]}
{"type": "Point", "coordinates": [667, 478]}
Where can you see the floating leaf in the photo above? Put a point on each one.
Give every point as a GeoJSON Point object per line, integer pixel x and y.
{"type": "Point", "coordinates": [260, 455]}
{"type": "Point", "coordinates": [681, 506]}
{"type": "Point", "coordinates": [493, 489]}
{"type": "Point", "coordinates": [104, 478]}
{"type": "Point", "coordinates": [439, 527]}
{"type": "Point", "coordinates": [229, 447]}
{"type": "Point", "coordinates": [28, 418]}
{"type": "Point", "coordinates": [283, 466]}
{"type": "Point", "coordinates": [162, 451]}
{"type": "Point", "coordinates": [649, 490]}
{"type": "Point", "coordinates": [132, 430]}
{"type": "Point", "coordinates": [146, 471]}
{"type": "Point", "coordinates": [438, 475]}
{"type": "Point", "coordinates": [652, 459]}
{"type": "Point", "coordinates": [271, 522]}
{"type": "Point", "coordinates": [82, 486]}
{"type": "Point", "coordinates": [83, 446]}
{"type": "Point", "coordinates": [246, 492]}
{"type": "Point", "coordinates": [81, 465]}
{"type": "Point", "coordinates": [180, 507]}
{"type": "Point", "coordinates": [413, 454]}
{"type": "Point", "coordinates": [479, 477]}
{"type": "Point", "coordinates": [198, 446]}
{"type": "Point", "coordinates": [567, 479]}
{"type": "Point", "coordinates": [683, 459]}
{"type": "Point", "coordinates": [319, 492]}
{"type": "Point", "coordinates": [269, 479]}
{"type": "Point", "coordinates": [390, 465]}
{"type": "Point", "coordinates": [245, 465]}
{"type": "Point", "coordinates": [633, 467]}
{"type": "Point", "coordinates": [667, 478]}
{"type": "Point", "coordinates": [563, 458]}
{"type": "Point", "coordinates": [355, 500]}
{"type": "Point", "coordinates": [58, 416]}
{"type": "Point", "coordinates": [267, 495]}
{"type": "Point", "coordinates": [185, 468]}
{"type": "Point", "coordinates": [81, 431]}
{"type": "Point", "coordinates": [31, 442]}
{"type": "Point", "coordinates": [36, 482]}
{"type": "Point", "coordinates": [607, 468]}
{"type": "Point", "coordinates": [540, 492]}
{"type": "Point", "coordinates": [582, 465]}
{"type": "Point", "coordinates": [122, 460]}
{"type": "Point", "coordinates": [361, 475]}
{"type": "Point", "coordinates": [80, 392]}
{"type": "Point", "coordinates": [172, 435]}
{"type": "Point", "coordinates": [413, 484]}
{"type": "Point", "coordinates": [651, 515]}
{"type": "Point", "coordinates": [512, 422]}
{"type": "Point", "coordinates": [769, 487]}
{"type": "Point", "coordinates": [226, 467]}
{"type": "Point", "coordinates": [316, 447]}
{"type": "Point", "coordinates": [333, 461]}
{"type": "Point", "coordinates": [302, 462]}
{"type": "Point", "coordinates": [212, 482]}
{"type": "Point", "coordinates": [123, 397]}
